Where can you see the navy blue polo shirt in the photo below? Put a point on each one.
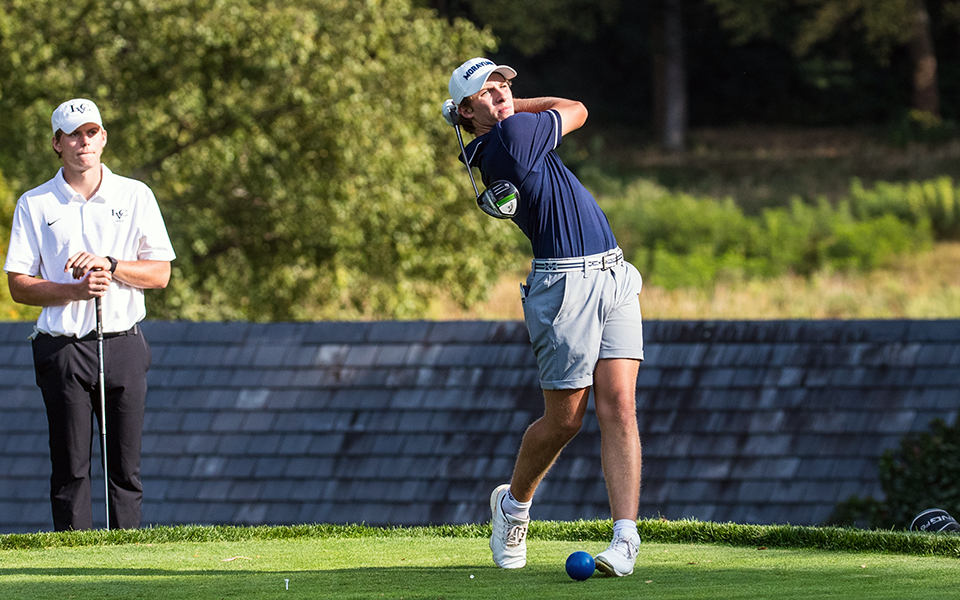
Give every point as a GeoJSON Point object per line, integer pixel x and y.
{"type": "Point", "coordinates": [559, 216]}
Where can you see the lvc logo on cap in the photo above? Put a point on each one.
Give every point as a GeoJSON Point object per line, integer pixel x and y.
{"type": "Point", "coordinates": [79, 108]}
{"type": "Point", "coordinates": [474, 68]}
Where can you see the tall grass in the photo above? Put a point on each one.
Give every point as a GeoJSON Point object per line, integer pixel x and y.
{"type": "Point", "coordinates": [651, 530]}
{"type": "Point", "coordinates": [920, 286]}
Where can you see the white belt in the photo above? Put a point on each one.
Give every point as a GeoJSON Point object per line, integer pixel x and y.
{"type": "Point", "coordinates": [594, 262]}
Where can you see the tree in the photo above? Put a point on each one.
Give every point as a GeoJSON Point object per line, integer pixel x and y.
{"type": "Point", "coordinates": [10, 310]}
{"type": "Point", "coordinates": [670, 86]}
{"type": "Point", "coordinates": [883, 24]}
{"type": "Point", "coordinates": [295, 146]}
{"type": "Point", "coordinates": [533, 29]}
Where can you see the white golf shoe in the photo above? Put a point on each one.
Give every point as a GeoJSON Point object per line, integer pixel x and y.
{"type": "Point", "coordinates": [619, 558]}
{"type": "Point", "coordinates": [509, 538]}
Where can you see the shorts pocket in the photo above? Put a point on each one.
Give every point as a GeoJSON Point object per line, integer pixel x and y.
{"type": "Point", "coordinates": [545, 297]}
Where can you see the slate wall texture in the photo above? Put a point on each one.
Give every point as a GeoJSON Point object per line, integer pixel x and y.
{"type": "Point", "coordinates": [409, 423]}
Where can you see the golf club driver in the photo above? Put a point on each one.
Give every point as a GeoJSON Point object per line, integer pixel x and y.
{"type": "Point", "coordinates": [501, 199]}
{"type": "Point", "coordinates": [103, 410]}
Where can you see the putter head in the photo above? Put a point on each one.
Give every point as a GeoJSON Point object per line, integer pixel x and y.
{"type": "Point", "coordinates": [500, 199]}
{"type": "Point", "coordinates": [449, 112]}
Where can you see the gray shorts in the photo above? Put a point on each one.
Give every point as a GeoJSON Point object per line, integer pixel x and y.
{"type": "Point", "coordinates": [576, 318]}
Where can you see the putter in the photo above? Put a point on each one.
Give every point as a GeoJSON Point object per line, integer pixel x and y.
{"type": "Point", "coordinates": [501, 198]}
{"type": "Point", "coordinates": [103, 411]}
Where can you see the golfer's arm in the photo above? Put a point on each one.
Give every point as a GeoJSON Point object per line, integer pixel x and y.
{"type": "Point", "coordinates": [143, 274]}
{"type": "Point", "coordinates": [573, 114]}
{"type": "Point", "coordinates": [33, 291]}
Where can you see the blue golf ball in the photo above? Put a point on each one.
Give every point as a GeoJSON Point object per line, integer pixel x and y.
{"type": "Point", "coordinates": [580, 565]}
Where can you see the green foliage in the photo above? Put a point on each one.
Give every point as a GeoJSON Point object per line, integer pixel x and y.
{"type": "Point", "coordinates": [533, 26]}
{"type": "Point", "coordinates": [920, 474]}
{"type": "Point", "coordinates": [917, 126]}
{"type": "Point", "coordinates": [748, 19]}
{"type": "Point", "coordinates": [881, 22]}
{"type": "Point", "coordinates": [836, 29]}
{"type": "Point", "coordinates": [295, 147]}
{"type": "Point", "coordinates": [10, 310]}
{"type": "Point", "coordinates": [935, 201]}
{"type": "Point", "coordinates": [863, 513]}
{"type": "Point", "coordinates": [680, 240]}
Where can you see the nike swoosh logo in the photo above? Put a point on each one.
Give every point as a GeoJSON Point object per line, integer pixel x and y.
{"type": "Point", "coordinates": [50, 223]}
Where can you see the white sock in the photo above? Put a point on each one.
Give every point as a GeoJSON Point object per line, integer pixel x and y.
{"type": "Point", "coordinates": [514, 508]}
{"type": "Point", "coordinates": [624, 529]}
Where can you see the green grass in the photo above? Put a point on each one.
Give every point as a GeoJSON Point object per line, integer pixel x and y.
{"type": "Point", "coordinates": [680, 559]}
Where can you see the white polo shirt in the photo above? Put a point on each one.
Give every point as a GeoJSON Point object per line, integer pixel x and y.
{"type": "Point", "coordinates": [53, 222]}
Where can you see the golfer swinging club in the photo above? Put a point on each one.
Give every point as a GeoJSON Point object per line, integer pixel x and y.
{"type": "Point", "coordinates": [88, 234]}
{"type": "Point", "coordinates": [580, 303]}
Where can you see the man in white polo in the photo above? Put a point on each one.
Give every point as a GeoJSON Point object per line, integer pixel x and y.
{"type": "Point", "coordinates": [87, 234]}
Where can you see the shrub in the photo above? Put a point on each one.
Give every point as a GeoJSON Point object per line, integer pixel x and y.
{"type": "Point", "coordinates": [920, 126]}
{"type": "Point", "coordinates": [679, 240]}
{"type": "Point", "coordinates": [920, 474]}
{"type": "Point", "coordinates": [863, 513]}
{"type": "Point", "coordinates": [10, 310]}
{"type": "Point", "coordinates": [934, 201]}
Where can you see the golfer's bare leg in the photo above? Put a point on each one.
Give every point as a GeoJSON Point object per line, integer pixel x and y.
{"type": "Point", "coordinates": [614, 389]}
{"type": "Point", "coordinates": [545, 438]}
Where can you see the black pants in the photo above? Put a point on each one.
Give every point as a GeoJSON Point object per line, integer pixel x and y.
{"type": "Point", "coordinates": [68, 378]}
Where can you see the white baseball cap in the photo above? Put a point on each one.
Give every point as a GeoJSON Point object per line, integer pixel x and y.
{"type": "Point", "coordinates": [471, 75]}
{"type": "Point", "coordinates": [74, 113]}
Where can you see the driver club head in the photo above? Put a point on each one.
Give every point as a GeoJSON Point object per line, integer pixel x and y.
{"type": "Point", "coordinates": [500, 199]}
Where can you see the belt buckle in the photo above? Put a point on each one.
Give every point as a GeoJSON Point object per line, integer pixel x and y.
{"type": "Point", "coordinates": [545, 265]}
{"type": "Point", "coordinates": [609, 261]}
